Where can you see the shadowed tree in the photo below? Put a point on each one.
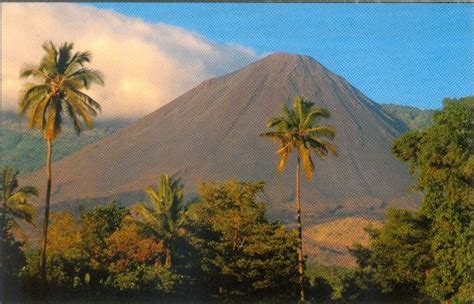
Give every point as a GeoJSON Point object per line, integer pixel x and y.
{"type": "Point", "coordinates": [298, 129]}
{"type": "Point", "coordinates": [167, 216]}
{"type": "Point", "coordinates": [14, 198]}
{"type": "Point", "coordinates": [60, 79]}
{"type": "Point", "coordinates": [14, 206]}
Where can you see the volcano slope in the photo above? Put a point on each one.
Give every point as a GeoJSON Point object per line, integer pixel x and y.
{"type": "Point", "coordinates": [212, 133]}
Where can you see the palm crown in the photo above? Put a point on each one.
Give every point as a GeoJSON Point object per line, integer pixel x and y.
{"type": "Point", "coordinates": [61, 76]}
{"type": "Point", "coordinates": [14, 197]}
{"type": "Point", "coordinates": [167, 215]}
{"type": "Point", "coordinates": [298, 129]}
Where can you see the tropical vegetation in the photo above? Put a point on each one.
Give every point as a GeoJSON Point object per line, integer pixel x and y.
{"type": "Point", "coordinates": [218, 244]}
{"type": "Point", "coordinates": [428, 252]}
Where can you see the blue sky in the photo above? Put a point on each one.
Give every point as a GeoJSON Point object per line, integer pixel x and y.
{"type": "Point", "coordinates": [413, 54]}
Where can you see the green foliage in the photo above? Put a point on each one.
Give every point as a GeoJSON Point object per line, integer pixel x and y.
{"type": "Point", "coordinates": [14, 198]}
{"type": "Point", "coordinates": [242, 253]}
{"type": "Point", "coordinates": [429, 252]}
{"type": "Point", "coordinates": [413, 118]}
{"type": "Point", "coordinates": [399, 254]}
{"type": "Point", "coordinates": [134, 262]}
{"type": "Point", "coordinates": [12, 258]}
{"type": "Point", "coordinates": [167, 216]}
{"type": "Point", "coordinates": [145, 278]}
{"type": "Point", "coordinates": [441, 157]}
{"type": "Point", "coordinates": [327, 281]}
{"type": "Point", "coordinates": [97, 225]}
{"type": "Point", "coordinates": [67, 261]}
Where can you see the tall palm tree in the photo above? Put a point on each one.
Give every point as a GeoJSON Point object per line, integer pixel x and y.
{"type": "Point", "coordinates": [14, 198]}
{"type": "Point", "coordinates": [167, 216]}
{"type": "Point", "coordinates": [60, 79]}
{"type": "Point", "coordinates": [298, 129]}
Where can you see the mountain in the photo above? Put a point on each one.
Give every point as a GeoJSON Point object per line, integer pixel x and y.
{"type": "Point", "coordinates": [24, 149]}
{"type": "Point", "coordinates": [211, 133]}
{"type": "Point", "coordinates": [413, 118]}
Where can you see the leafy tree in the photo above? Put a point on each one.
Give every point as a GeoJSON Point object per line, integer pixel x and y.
{"type": "Point", "coordinates": [441, 158]}
{"type": "Point", "coordinates": [67, 261]}
{"type": "Point", "coordinates": [61, 78]}
{"type": "Point", "coordinates": [14, 206]}
{"type": "Point", "coordinates": [242, 253]}
{"type": "Point", "coordinates": [399, 254]}
{"type": "Point", "coordinates": [167, 216]}
{"type": "Point", "coordinates": [128, 245]}
{"type": "Point", "coordinates": [14, 199]}
{"type": "Point", "coordinates": [298, 129]}
{"type": "Point", "coordinates": [12, 260]}
{"type": "Point", "coordinates": [97, 225]}
{"type": "Point", "coordinates": [134, 262]}
{"type": "Point", "coordinates": [430, 251]}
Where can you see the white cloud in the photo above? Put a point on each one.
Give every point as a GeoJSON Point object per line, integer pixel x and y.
{"type": "Point", "coordinates": [145, 65]}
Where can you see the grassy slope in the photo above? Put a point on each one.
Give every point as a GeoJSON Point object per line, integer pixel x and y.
{"type": "Point", "coordinates": [327, 243]}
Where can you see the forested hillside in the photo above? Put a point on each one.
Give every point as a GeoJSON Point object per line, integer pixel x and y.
{"type": "Point", "coordinates": [24, 149]}
{"type": "Point", "coordinates": [412, 117]}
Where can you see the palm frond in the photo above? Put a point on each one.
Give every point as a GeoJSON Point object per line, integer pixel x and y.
{"type": "Point", "coordinates": [80, 107]}
{"type": "Point", "coordinates": [30, 94]}
{"type": "Point", "coordinates": [315, 113]}
{"type": "Point", "coordinates": [75, 120]}
{"type": "Point", "coordinates": [64, 57]}
{"type": "Point", "coordinates": [149, 218]}
{"type": "Point", "coordinates": [325, 131]}
{"type": "Point", "coordinates": [22, 211]}
{"type": "Point", "coordinates": [284, 153]}
{"type": "Point", "coordinates": [16, 198]}
{"type": "Point", "coordinates": [87, 77]}
{"type": "Point", "coordinates": [29, 190]}
{"type": "Point", "coordinates": [274, 121]}
{"type": "Point", "coordinates": [321, 146]}
{"type": "Point", "coordinates": [305, 156]}
{"type": "Point", "coordinates": [90, 102]}
{"type": "Point", "coordinates": [30, 70]}
{"type": "Point", "coordinates": [278, 136]}
{"type": "Point", "coordinates": [49, 62]}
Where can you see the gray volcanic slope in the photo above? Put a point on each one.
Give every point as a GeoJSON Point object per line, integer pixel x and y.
{"type": "Point", "coordinates": [211, 133]}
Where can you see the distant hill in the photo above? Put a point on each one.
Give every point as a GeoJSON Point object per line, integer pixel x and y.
{"type": "Point", "coordinates": [24, 149]}
{"type": "Point", "coordinates": [413, 118]}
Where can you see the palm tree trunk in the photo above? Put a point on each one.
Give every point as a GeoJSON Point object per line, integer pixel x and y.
{"type": "Point", "coordinates": [300, 230]}
{"type": "Point", "coordinates": [46, 211]}
{"type": "Point", "coordinates": [168, 258]}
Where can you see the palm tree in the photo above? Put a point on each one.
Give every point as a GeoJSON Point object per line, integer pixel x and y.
{"type": "Point", "coordinates": [167, 216]}
{"type": "Point", "coordinates": [61, 77]}
{"type": "Point", "coordinates": [298, 129]}
{"type": "Point", "coordinates": [14, 199]}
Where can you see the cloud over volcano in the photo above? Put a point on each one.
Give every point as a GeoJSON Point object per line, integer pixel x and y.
{"type": "Point", "coordinates": [145, 64]}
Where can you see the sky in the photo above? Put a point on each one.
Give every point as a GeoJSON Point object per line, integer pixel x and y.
{"type": "Point", "coordinates": [410, 54]}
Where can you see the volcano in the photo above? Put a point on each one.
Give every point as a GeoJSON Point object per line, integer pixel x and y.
{"type": "Point", "coordinates": [212, 133]}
